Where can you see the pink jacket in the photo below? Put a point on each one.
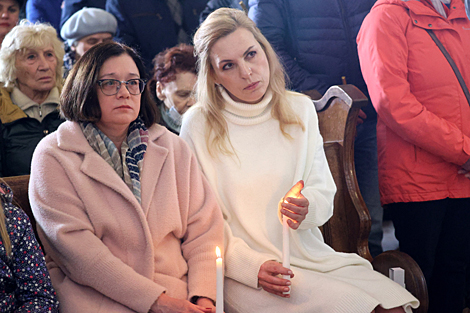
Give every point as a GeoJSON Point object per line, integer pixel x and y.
{"type": "Point", "coordinates": [423, 127]}
{"type": "Point", "coordinates": [105, 251]}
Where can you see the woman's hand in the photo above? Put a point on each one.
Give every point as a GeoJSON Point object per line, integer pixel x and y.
{"type": "Point", "coordinates": [295, 206]}
{"type": "Point", "coordinates": [360, 117]}
{"type": "Point", "coordinates": [167, 304]}
{"type": "Point", "coordinates": [269, 280]}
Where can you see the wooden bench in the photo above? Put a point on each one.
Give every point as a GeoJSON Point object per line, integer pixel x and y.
{"type": "Point", "coordinates": [348, 229]}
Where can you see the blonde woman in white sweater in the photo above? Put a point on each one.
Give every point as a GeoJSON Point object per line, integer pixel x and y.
{"type": "Point", "coordinates": [254, 140]}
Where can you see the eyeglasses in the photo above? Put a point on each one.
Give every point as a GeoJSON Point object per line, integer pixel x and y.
{"type": "Point", "coordinates": [110, 87]}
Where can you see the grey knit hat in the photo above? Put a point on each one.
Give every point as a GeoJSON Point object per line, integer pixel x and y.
{"type": "Point", "coordinates": [88, 21]}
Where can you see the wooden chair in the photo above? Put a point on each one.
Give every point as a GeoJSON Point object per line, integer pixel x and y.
{"type": "Point", "coordinates": [348, 229]}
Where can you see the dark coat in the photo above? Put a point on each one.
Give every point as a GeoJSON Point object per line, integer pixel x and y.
{"type": "Point", "coordinates": [44, 11]}
{"type": "Point", "coordinates": [148, 25]}
{"type": "Point", "coordinates": [20, 138]}
{"type": "Point", "coordinates": [316, 40]}
{"type": "Point", "coordinates": [213, 5]}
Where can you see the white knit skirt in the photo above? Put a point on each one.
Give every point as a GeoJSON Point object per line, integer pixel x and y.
{"type": "Point", "coordinates": [350, 289]}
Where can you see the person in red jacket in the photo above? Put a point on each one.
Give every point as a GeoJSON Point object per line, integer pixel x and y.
{"type": "Point", "coordinates": [423, 135]}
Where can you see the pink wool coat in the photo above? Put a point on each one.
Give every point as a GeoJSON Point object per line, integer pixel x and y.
{"type": "Point", "coordinates": [105, 251]}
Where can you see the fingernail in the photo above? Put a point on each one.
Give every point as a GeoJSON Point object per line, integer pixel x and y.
{"type": "Point", "coordinates": [289, 272]}
{"type": "Point", "coordinates": [288, 284]}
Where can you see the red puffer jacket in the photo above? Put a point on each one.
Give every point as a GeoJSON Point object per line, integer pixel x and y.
{"type": "Point", "coordinates": [423, 127]}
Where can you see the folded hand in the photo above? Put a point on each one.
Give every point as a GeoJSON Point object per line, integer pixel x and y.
{"type": "Point", "coordinates": [269, 280]}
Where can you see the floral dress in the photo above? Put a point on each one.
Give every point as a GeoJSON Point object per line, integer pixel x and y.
{"type": "Point", "coordinates": [25, 285]}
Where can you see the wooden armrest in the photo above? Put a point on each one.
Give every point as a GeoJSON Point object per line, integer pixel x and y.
{"type": "Point", "coordinates": [414, 278]}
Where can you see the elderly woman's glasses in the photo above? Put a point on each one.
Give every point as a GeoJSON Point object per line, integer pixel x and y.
{"type": "Point", "coordinates": [110, 87]}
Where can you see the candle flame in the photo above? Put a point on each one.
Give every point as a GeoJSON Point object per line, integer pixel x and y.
{"type": "Point", "coordinates": [294, 192]}
{"type": "Point", "coordinates": [217, 252]}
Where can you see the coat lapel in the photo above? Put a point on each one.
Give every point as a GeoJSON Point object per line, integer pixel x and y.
{"type": "Point", "coordinates": [71, 138]}
{"type": "Point", "coordinates": [154, 159]}
{"type": "Point", "coordinates": [96, 168]}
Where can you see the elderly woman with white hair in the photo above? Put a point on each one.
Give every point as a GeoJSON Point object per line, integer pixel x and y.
{"type": "Point", "coordinates": [31, 77]}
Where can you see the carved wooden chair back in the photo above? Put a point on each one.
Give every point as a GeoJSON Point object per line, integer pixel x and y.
{"type": "Point", "coordinates": [349, 227]}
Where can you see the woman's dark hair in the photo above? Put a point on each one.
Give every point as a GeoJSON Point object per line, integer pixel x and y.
{"type": "Point", "coordinates": [173, 60]}
{"type": "Point", "coordinates": [20, 3]}
{"type": "Point", "coordinates": [79, 100]}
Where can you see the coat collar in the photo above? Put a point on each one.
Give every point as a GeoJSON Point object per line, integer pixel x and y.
{"type": "Point", "coordinates": [70, 138]}
{"type": "Point", "coordinates": [425, 16]}
{"type": "Point", "coordinates": [425, 9]}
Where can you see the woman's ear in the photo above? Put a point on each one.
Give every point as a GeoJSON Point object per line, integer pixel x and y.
{"type": "Point", "coordinates": [160, 93]}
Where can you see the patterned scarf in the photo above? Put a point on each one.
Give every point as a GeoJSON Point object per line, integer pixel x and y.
{"type": "Point", "coordinates": [131, 154]}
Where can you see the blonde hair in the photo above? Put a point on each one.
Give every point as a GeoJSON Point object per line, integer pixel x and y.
{"type": "Point", "coordinates": [24, 36]}
{"type": "Point", "coordinates": [219, 24]}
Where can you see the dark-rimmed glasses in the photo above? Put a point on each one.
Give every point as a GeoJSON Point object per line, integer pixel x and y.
{"type": "Point", "coordinates": [110, 87]}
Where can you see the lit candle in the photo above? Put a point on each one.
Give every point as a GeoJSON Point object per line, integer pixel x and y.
{"type": "Point", "coordinates": [285, 248]}
{"type": "Point", "coordinates": [294, 192]}
{"type": "Point", "coordinates": [219, 301]}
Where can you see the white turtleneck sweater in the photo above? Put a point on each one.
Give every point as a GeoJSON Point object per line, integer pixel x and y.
{"type": "Point", "coordinates": [250, 184]}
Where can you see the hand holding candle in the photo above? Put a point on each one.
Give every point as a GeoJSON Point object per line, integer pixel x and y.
{"type": "Point", "coordinates": [219, 302]}
{"type": "Point", "coordinates": [292, 198]}
{"type": "Point", "coordinates": [294, 205]}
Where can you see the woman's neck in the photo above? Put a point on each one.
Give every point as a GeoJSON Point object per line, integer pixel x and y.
{"type": "Point", "coordinates": [116, 134]}
{"type": "Point", "coordinates": [37, 96]}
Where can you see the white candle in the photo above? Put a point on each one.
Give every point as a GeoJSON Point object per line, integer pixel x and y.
{"type": "Point", "coordinates": [219, 301]}
{"type": "Point", "coordinates": [285, 248]}
{"type": "Point", "coordinates": [294, 192]}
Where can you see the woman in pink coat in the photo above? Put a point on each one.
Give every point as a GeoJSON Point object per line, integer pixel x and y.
{"type": "Point", "coordinates": [423, 135]}
{"type": "Point", "coordinates": [127, 220]}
